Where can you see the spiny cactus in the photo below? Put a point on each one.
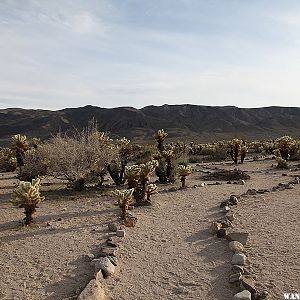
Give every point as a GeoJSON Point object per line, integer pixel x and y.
{"type": "Point", "coordinates": [137, 177]}
{"type": "Point", "coordinates": [237, 147]}
{"type": "Point", "coordinates": [160, 137]}
{"type": "Point", "coordinates": [285, 144]}
{"type": "Point", "coordinates": [151, 189]}
{"type": "Point", "coordinates": [20, 141]}
{"type": "Point", "coordinates": [124, 200]}
{"type": "Point", "coordinates": [183, 172]}
{"type": "Point", "coordinates": [28, 197]}
{"type": "Point", "coordinates": [8, 161]}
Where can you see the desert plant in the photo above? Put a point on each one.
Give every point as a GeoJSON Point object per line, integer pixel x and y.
{"type": "Point", "coordinates": [124, 200]}
{"type": "Point", "coordinates": [28, 197]}
{"type": "Point", "coordinates": [75, 157]}
{"type": "Point", "coordinates": [285, 145]}
{"type": "Point", "coordinates": [160, 137]}
{"type": "Point", "coordinates": [116, 168]}
{"type": "Point", "coordinates": [20, 141]}
{"type": "Point", "coordinates": [35, 164]}
{"type": "Point", "coordinates": [281, 163]}
{"type": "Point", "coordinates": [8, 161]}
{"type": "Point", "coordinates": [184, 171]}
{"type": "Point", "coordinates": [137, 177]}
{"type": "Point", "coordinates": [151, 189]}
{"type": "Point", "coordinates": [237, 148]}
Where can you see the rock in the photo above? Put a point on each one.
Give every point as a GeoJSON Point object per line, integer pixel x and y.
{"type": "Point", "coordinates": [202, 184]}
{"type": "Point", "coordinates": [130, 221]}
{"type": "Point", "coordinates": [239, 259]}
{"type": "Point", "coordinates": [251, 192]}
{"type": "Point", "coordinates": [214, 227]}
{"type": "Point", "coordinates": [230, 217]}
{"type": "Point", "coordinates": [104, 264]}
{"type": "Point", "coordinates": [120, 233]}
{"type": "Point", "coordinates": [113, 260]}
{"type": "Point", "coordinates": [113, 227]}
{"type": "Point", "coordinates": [233, 200]}
{"type": "Point", "coordinates": [93, 291]}
{"type": "Point", "coordinates": [226, 208]}
{"type": "Point", "coordinates": [235, 277]}
{"type": "Point", "coordinates": [237, 268]}
{"type": "Point", "coordinates": [221, 233]}
{"type": "Point", "coordinates": [236, 246]}
{"type": "Point", "coordinates": [238, 236]}
{"type": "Point", "coordinates": [244, 295]}
{"type": "Point", "coordinates": [248, 283]}
{"type": "Point", "coordinates": [242, 182]}
{"type": "Point", "coordinates": [107, 251]}
{"type": "Point", "coordinates": [224, 203]}
{"type": "Point", "coordinates": [113, 241]}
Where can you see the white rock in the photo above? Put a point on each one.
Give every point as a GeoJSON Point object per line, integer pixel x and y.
{"type": "Point", "coordinates": [236, 246]}
{"type": "Point", "coordinates": [244, 295]}
{"type": "Point", "coordinates": [104, 264]}
{"type": "Point", "coordinates": [226, 208]}
{"type": "Point", "coordinates": [93, 291]}
{"type": "Point", "coordinates": [239, 259]}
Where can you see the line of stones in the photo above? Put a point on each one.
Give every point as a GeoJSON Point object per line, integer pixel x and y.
{"type": "Point", "coordinates": [104, 263]}
{"type": "Point", "coordinates": [240, 276]}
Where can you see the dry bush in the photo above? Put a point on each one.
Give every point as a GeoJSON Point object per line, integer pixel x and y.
{"type": "Point", "coordinates": [8, 161]}
{"type": "Point", "coordinates": [79, 157]}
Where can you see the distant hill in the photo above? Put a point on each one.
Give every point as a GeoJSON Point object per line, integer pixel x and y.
{"type": "Point", "coordinates": [203, 123]}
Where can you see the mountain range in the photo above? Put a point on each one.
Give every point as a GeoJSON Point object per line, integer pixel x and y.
{"type": "Point", "coordinates": [187, 122]}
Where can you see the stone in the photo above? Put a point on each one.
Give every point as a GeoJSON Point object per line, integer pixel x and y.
{"type": "Point", "coordinates": [113, 260]}
{"type": "Point", "coordinates": [113, 227]}
{"type": "Point", "coordinates": [202, 184]}
{"type": "Point", "coordinates": [233, 200]}
{"type": "Point", "coordinates": [107, 251]}
{"type": "Point", "coordinates": [214, 227]}
{"type": "Point", "coordinates": [236, 277]}
{"type": "Point", "coordinates": [241, 237]}
{"type": "Point", "coordinates": [239, 259]}
{"type": "Point", "coordinates": [251, 192]}
{"type": "Point", "coordinates": [244, 295]}
{"type": "Point", "coordinates": [93, 291]}
{"type": "Point", "coordinates": [230, 217]}
{"type": "Point", "coordinates": [237, 268]}
{"type": "Point", "coordinates": [104, 264]}
{"type": "Point", "coordinates": [236, 246]}
{"type": "Point", "coordinates": [221, 233]}
{"type": "Point", "coordinates": [113, 241]}
{"type": "Point", "coordinates": [242, 182]}
{"type": "Point", "coordinates": [130, 221]}
{"type": "Point", "coordinates": [224, 203]}
{"type": "Point", "coordinates": [248, 283]}
{"type": "Point", "coordinates": [226, 208]}
{"type": "Point", "coordinates": [120, 232]}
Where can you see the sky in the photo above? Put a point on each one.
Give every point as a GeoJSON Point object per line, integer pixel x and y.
{"type": "Point", "coordinates": [109, 53]}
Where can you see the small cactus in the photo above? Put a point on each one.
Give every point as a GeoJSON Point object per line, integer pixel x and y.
{"type": "Point", "coordinates": [19, 141]}
{"type": "Point", "coordinates": [124, 200]}
{"type": "Point", "coordinates": [28, 197]}
{"type": "Point", "coordinates": [183, 172]}
{"type": "Point", "coordinates": [151, 189]}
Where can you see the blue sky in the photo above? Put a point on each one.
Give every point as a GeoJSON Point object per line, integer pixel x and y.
{"type": "Point", "coordinates": [69, 53]}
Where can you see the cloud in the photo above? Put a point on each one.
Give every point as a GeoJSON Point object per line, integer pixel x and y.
{"type": "Point", "coordinates": [59, 54]}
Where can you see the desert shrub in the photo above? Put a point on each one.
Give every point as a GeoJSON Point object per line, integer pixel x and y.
{"type": "Point", "coordinates": [28, 197]}
{"type": "Point", "coordinates": [212, 152]}
{"type": "Point", "coordinates": [79, 157]}
{"type": "Point", "coordinates": [184, 171]}
{"type": "Point", "coordinates": [35, 164]}
{"type": "Point", "coordinates": [8, 161]}
{"type": "Point", "coordinates": [285, 145]}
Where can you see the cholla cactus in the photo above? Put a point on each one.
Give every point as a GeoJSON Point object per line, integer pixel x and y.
{"type": "Point", "coordinates": [281, 163]}
{"type": "Point", "coordinates": [160, 137]}
{"type": "Point", "coordinates": [132, 175]}
{"type": "Point", "coordinates": [235, 149]}
{"type": "Point", "coordinates": [244, 151]}
{"type": "Point", "coordinates": [151, 189]}
{"type": "Point", "coordinates": [124, 200]}
{"type": "Point", "coordinates": [28, 197]}
{"type": "Point", "coordinates": [20, 142]}
{"type": "Point", "coordinates": [147, 169]}
{"type": "Point", "coordinates": [183, 172]}
{"type": "Point", "coordinates": [285, 145]}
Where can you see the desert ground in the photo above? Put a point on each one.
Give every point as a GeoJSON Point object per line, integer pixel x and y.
{"type": "Point", "coordinates": [169, 254]}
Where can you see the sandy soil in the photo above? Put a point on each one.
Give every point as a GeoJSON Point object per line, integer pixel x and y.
{"type": "Point", "coordinates": [168, 255]}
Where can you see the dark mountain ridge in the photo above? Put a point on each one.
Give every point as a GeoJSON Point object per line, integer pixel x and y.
{"type": "Point", "coordinates": [204, 123]}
